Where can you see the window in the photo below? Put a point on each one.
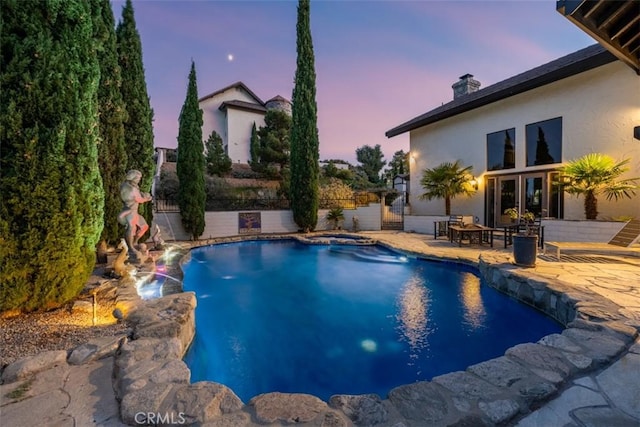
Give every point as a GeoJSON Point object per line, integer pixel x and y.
{"type": "Point", "coordinates": [501, 150]}
{"type": "Point", "coordinates": [544, 142]}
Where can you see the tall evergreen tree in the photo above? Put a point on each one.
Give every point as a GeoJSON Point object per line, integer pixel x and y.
{"type": "Point", "coordinates": [254, 149]}
{"type": "Point", "coordinates": [112, 157]}
{"type": "Point", "coordinates": [138, 130]}
{"type": "Point", "coordinates": [52, 199]}
{"type": "Point", "coordinates": [398, 165]}
{"type": "Point", "coordinates": [217, 161]}
{"type": "Point", "coordinates": [190, 166]}
{"type": "Point", "coordinates": [304, 131]}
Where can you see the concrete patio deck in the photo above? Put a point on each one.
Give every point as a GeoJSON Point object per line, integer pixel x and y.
{"type": "Point", "coordinates": [78, 395]}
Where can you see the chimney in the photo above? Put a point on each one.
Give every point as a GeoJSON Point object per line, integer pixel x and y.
{"type": "Point", "coordinates": [466, 85]}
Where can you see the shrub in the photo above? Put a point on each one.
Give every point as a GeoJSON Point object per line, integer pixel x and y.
{"type": "Point", "coordinates": [335, 193]}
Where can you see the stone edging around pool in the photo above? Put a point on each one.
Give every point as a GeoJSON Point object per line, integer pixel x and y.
{"type": "Point", "coordinates": [150, 376]}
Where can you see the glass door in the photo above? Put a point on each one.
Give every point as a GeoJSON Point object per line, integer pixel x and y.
{"type": "Point", "coordinates": [534, 193]}
{"type": "Point", "coordinates": [507, 198]}
{"type": "Point", "coordinates": [490, 202]}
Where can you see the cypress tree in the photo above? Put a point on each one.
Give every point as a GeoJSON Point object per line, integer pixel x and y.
{"type": "Point", "coordinates": [112, 157]}
{"type": "Point", "coordinates": [254, 149]}
{"type": "Point", "coordinates": [305, 170]}
{"type": "Point", "coordinates": [52, 199]}
{"type": "Point", "coordinates": [190, 166]}
{"type": "Point", "coordinates": [138, 130]}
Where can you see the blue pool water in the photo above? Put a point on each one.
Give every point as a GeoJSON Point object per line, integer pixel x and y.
{"type": "Point", "coordinates": [288, 317]}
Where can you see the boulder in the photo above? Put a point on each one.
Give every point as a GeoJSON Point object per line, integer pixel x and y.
{"type": "Point", "coordinates": [366, 409]}
{"type": "Point", "coordinates": [95, 349]}
{"type": "Point", "coordinates": [287, 408]}
{"type": "Point", "coordinates": [28, 366]}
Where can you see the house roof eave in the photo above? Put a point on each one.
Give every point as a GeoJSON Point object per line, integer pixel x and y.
{"type": "Point", "coordinates": [545, 74]}
{"type": "Point", "coordinates": [237, 84]}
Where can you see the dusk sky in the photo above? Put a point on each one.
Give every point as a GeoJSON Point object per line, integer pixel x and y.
{"type": "Point", "coordinates": [378, 63]}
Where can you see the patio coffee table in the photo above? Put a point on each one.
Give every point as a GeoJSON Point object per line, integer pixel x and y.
{"type": "Point", "coordinates": [473, 233]}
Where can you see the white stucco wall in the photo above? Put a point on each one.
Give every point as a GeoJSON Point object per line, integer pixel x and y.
{"type": "Point", "coordinates": [599, 109]}
{"type": "Point", "coordinates": [225, 224]}
{"type": "Point", "coordinates": [241, 124]}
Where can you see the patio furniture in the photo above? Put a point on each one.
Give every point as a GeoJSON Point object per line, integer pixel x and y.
{"type": "Point", "coordinates": [537, 229]}
{"type": "Point", "coordinates": [475, 234]}
{"type": "Point", "coordinates": [619, 244]}
{"type": "Point", "coordinates": [441, 228]}
{"type": "Point", "coordinates": [601, 247]}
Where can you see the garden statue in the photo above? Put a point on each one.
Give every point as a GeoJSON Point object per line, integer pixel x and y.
{"type": "Point", "coordinates": [120, 268]}
{"type": "Point", "coordinates": [157, 239]}
{"type": "Point", "coordinates": [135, 224]}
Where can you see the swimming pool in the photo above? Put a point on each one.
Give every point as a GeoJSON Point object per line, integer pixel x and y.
{"type": "Point", "coordinates": [289, 317]}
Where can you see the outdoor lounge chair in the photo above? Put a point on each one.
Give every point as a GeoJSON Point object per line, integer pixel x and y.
{"type": "Point", "coordinates": [620, 244]}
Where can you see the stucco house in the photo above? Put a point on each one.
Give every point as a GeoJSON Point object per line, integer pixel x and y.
{"type": "Point", "coordinates": [231, 112]}
{"type": "Point", "coordinates": [517, 132]}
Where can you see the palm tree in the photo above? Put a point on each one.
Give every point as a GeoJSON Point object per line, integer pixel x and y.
{"type": "Point", "coordinates": [594, 174]}
{"type": "Point", "coordinates": [446, 181]}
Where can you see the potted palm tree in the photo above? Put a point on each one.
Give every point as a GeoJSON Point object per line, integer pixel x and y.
{"type": "Point", "coordinates": [595, 174]}
{"type": "Point", "coordinates": [446, 181]}
{"type": "Point", "coordinates": [525, 244]}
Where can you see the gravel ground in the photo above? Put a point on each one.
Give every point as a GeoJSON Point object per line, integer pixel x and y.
{"type": "Point", "coordinates": [30, 334]}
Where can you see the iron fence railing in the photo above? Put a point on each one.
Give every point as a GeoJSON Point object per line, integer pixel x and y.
{"type": "Point", "coordinates": [165, 205]}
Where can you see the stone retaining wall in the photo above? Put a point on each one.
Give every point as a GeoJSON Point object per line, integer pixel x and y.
{"type": "Point", "coordinates": [151, 377]}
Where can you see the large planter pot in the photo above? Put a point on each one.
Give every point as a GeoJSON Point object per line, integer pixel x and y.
{"type": "Point", "coordinates": [525, 250]}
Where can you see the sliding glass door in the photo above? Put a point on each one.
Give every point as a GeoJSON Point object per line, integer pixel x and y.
{"type": "Point", "coordinates": [533, 192]}
{"type": "Point", "coordinates": [508, 194]}
{"type": "Point", "coordinates": [534, 195]}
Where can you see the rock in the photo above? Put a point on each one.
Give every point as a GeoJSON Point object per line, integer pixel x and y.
{"type": "Point", "coordinates": [543, 360]}
{"type": "Point", "coordinates": [132, 352]}
{"type": "Point", "coordinates": [366, 409]}
{"type": "Point", "coordinates": [287, 407]}
{"type": "Point", "coordinates": [502, 371]}
{"type": "Point", "coordinates": [94, 349]}
{"type": "Point", "coordinates": [422, 401]}
{"type": "Point", "coordinates": [464, 385]}
{"type": "Point", "coordinates": [560, 342]}
{"type": "Point", "coordinates": [536, 392]}
{"type": "Point", "coordinates": [168, 317]}
{"type": "Point", "coordinates": [331, 419]}
{"type": "Point", "coordinates": [500, 411]}
{"type": "Point", "coordinates": [600, 347]}
{"type": "Point", "coordinates": [202, 401]}
{"type": "Point", "coordinates": [235, 419]}
{"type": "Point", "coordinates": [148, 372]}
{"type": "Point", "coordinates": [144, 401]}
{"type": "Point", "coordinates": [28, 366]}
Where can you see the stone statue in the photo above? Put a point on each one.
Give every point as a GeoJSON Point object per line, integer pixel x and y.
{"type": "Point", "coordinates": [157, 239]}
{"type": "Point", "coordinates": [135, 224]}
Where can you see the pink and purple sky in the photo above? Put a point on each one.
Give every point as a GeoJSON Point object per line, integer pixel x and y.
{"type": "Point", "coordinates": [378, 63]}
